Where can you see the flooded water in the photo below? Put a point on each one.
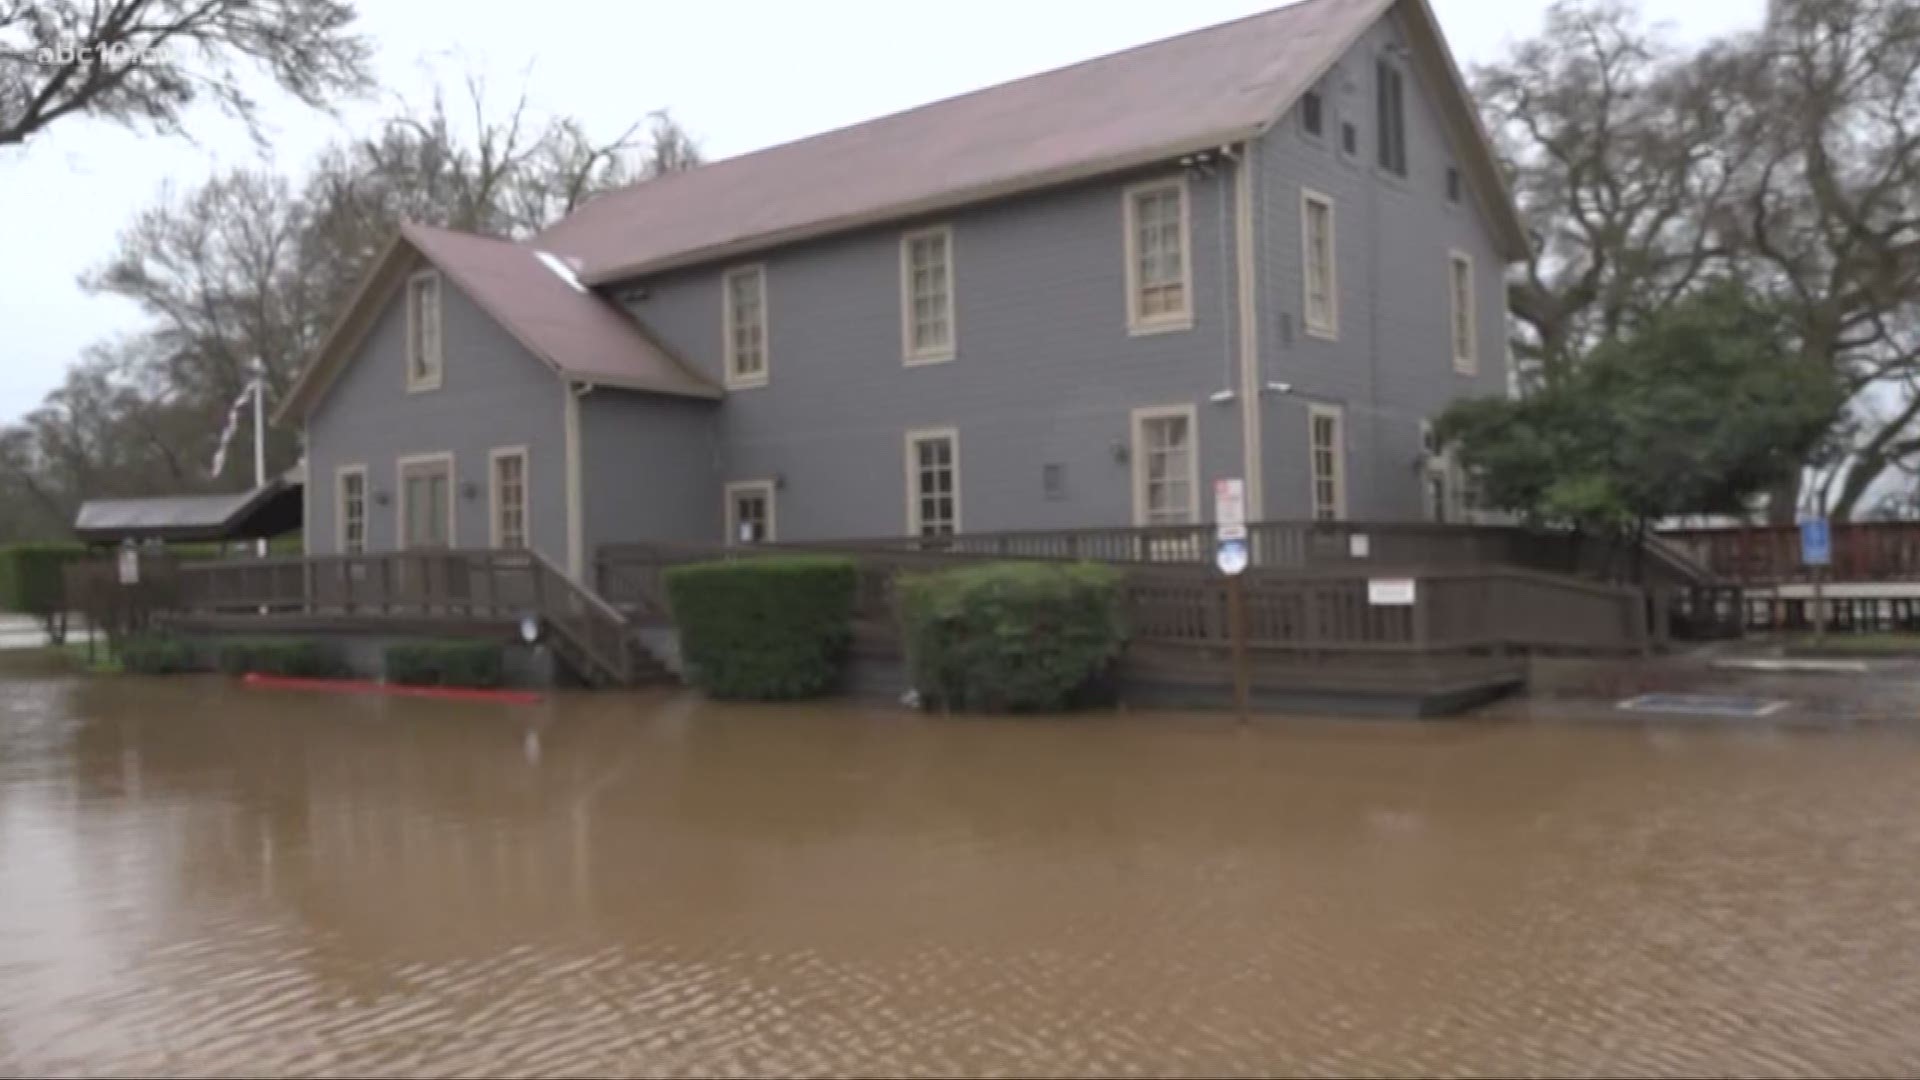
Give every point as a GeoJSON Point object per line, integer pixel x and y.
{"type": "Point", "coordinates": [196, 878]}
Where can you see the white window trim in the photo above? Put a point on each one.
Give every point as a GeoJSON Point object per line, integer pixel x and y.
{"type": "Point", "coordinates": [1138, 456]}
{"type": "Point", "coordinates": [1137, 326]}
{"type": "Point", "coordinates": [1310, 198]}
{"type": "Point", "coordinates": [734, 380]}
{"type": "Point", "coordinates": [493, 493]}
{"type": "Point", "coordinates": [911, 461]}
{"type": "Point", "coordinates": [418, 384]}
{"type": "Point", "coordinates": [400, 496]}
{"type": "Point", "coordinates": [939, 354]}
{"type": "Point", "coordinates": [1339, 416]}
{"type": "Point", "coordinates": [730, 510]}
{"type": "Point", "coordinates": [340, 509]}
{"type": "Point", "coordinates": [1469, 362]}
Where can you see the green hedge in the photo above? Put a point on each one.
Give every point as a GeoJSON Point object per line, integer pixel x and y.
{"type": "Point", "coordinates": [155, 654]}
{"type": "Point", "coordinates": [1011, 637]}
{"type": "Point", "coordinates": [445, 663]}
{"type": "Point", "coordinates": [764, 629]}
{"type": "Point", "coordinates": [302, 658]}
{"type": "Point", "coordinates": [30, 581]}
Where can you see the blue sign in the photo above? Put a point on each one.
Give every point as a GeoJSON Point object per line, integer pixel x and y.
{"type": "Point", "coordinates": [1816, 543]}
{"type": "Point", "coordinates": [1231, 557]}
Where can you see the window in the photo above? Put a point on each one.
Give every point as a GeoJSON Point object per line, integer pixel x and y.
{"type": "Point", "coordinates": [1319, 265]}
{"type": "Point", "coordinates": [1349, 139]}
{"type": "Point", "coordinates": [926, 295]}
{"type": "Point", "coordinates": [423, 331]}
{"type": "Point", "coordinates": [745, 326]}
{"type": "Point", "coordinates": [933, 482]}
{"type": "Point", "coordinates": [1326, 453]}
{"type": "Point", "coordinates": [1466, 352]}
{"type": "Point", "coordinates": [1390, 95]}
{"type": "Point", "coordinates": [750, 512]}
{"type": "Point", "coordinates": [1166, 467]}
{"type": "Point", "coordinates": [1158, 284]}
{"type": "Point", "coordinates": [350, 510]}
{"type": "Point", "coordinates": [509, 484]}
{"type": "Point", "coordinates": [426, 501]}
{"type": "Point", "coordinates": [1453, 184]}
{"type": "Point", "coordinates": [1312, 109]}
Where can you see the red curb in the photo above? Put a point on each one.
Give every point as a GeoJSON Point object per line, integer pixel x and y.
{"type": "Point", "coordinates": [362, 686]}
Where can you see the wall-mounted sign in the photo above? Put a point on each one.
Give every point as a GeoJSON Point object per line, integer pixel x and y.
{"type": "Point", "coordinates": [129, 566]}
{"type": "Point", "coordinates": [1230, 502]}
{"type": "Point", "coordinates": [1816, 543]}
{"type": "Point", "coordinates": [1359, 545]}
{"type": "Point", "coordinates": [1391, 591]}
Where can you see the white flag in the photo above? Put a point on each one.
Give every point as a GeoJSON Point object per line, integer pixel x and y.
{"type": "Point", "coordinates": [233, 424]}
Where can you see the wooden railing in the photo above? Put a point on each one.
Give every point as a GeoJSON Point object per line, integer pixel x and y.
{"type": "Point", "coordinates": [414, 586]}
{"type": "Point", "coordinates": [1318, 611]}
{"type": "Point", "coordinates": [1771, 555]}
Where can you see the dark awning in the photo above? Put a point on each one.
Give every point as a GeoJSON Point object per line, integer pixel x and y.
{"type": "Point", "coordinates": [246, 515]}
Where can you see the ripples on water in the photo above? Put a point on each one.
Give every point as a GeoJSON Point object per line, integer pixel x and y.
{"type": "Point", "coordinates": [195, 879]}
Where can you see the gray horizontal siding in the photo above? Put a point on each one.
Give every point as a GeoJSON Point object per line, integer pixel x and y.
{"type": "Point", "coordinates": [493, 394]}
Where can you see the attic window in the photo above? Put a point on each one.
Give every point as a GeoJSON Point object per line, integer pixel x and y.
{"type": "Point", "coordinates": [1453, 184]}
{"type": "Point", "coordinates": [424, 358]}
{"type": "Point", "coordinates": [1312, 120]}
{"type": "Point", "coordinates": [1349, 139]}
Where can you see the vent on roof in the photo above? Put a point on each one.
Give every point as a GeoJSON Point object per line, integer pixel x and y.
{"type": "Point", "coordinates": [560, 269]}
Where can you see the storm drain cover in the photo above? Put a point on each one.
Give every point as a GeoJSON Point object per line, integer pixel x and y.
{"type": "Point", "coordinates": [1702, 705]}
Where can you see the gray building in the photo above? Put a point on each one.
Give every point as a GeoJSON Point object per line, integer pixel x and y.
{"type": "Point", "coordinates": [1270, 249]}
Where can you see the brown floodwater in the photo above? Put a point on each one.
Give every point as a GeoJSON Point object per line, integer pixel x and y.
{"type": "Point", "coordinates": [197, 878]}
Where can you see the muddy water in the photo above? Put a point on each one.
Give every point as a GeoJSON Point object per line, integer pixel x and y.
{"type": "Point", "coordinates": [197, 879]}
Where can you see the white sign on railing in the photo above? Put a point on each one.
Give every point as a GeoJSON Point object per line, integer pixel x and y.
{"type": "Point", "coordinates": [1391, 592]}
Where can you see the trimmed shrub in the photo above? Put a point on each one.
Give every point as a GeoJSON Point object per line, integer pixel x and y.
{"type": "Point", "coordinates": [31, 583]}
{"type": "Point", "coordinates": [764, 629]}
{"type": "Point", "coordinates": [1011, 637]}
{"type": "Point", "coordinates": [300, 658]}
{"type": "Point", "coordinates": [466, 663]}
{"type": "Point", "coordinates": [155, 654]}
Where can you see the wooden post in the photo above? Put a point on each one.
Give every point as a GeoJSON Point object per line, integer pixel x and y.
{"type": "Point", "coordinates": [1819, 606]}
{"type": "Point", "coordinates": [1237, 631]}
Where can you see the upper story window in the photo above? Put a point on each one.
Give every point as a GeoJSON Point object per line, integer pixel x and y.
{"type": "Point", "coordinates": [1349, 139]}
{"type": "Point", "coordinates": [1159, 279]}
{"type": "Point", "coordinates": [1453, 184]}
{"type": "Point", "coordinates": [926, 295]}
{"type": "Point", "coordinates": [424, 359]}
{"type": "Point", "coordinates": [1313, 119]}
{"type": "Point", "coordinates": [744, 326]}
{"type": "Point", "coordinates": [1390, 96]}
{"type": "Point", "coordinates": [1320, 269]}
{"type": "Point", "coordinates": [1466, 334]}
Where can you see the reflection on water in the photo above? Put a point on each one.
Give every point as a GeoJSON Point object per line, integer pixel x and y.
{"type": "Point", "coordinates": [197, 878]}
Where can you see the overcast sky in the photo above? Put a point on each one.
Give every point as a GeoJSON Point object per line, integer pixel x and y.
{"type": "Point", "coordinates": [740, 75]}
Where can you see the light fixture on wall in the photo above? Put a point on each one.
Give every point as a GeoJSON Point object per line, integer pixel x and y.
{"type": "Point", "coordinates": [1121, 452]}
{"type": "Point", "coordinates": [779, 481]}
{"type": "Point", "coordinates": [381, 498]}
{"type": "Point", "coordinates": [469, 490]}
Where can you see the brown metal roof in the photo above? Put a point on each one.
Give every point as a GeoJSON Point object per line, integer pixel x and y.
{"type": "Point", "coordinates": [1197, 91]}
{"type": "Point", "coordinates": [581, 334]}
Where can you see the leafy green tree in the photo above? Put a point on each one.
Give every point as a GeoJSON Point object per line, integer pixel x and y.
{"type": "Point", "coordinates": [1706, 406]}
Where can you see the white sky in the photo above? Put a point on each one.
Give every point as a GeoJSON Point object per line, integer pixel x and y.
{"type": "Point", "coordinates": [740, 75]}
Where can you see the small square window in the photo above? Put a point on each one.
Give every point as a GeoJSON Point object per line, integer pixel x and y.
{"type": "Point", "coordinates": [1053, 481]}
{"type": "Point", "coordinates": [1311, 119]}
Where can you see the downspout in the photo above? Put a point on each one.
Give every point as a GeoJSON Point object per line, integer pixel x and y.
{"type": "Point", "coordinates": [1245, 269]}
{"type": "Point", "coordinates": [576, 527]}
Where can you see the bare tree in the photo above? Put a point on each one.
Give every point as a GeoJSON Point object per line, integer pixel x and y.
{"type": "Point", "coordinates": [1619, 157]}
{"type": "Point", "coordinates": [1828, 219]}
{"type": "Point", "coordinates": [144, 62]}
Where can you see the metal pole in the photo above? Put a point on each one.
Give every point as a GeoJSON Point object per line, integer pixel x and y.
{"type": "Point", "coordinates": [1237, 630]}
{"type": "Point", "coordinates": [259, 438]}
{"type": "Point", "coordinates": [1819, 606]}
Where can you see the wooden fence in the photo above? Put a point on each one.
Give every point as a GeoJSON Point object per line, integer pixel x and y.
{"type": "Point", "coordinates": [1770, 554]}
{"type": "Point", "coordinates": [414, 588]}
{"type": "Point", "coordinates": [1322, 611]}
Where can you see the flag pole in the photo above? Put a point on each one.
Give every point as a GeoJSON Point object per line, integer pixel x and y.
{"type": "Point", "coordinates": [259, 438]}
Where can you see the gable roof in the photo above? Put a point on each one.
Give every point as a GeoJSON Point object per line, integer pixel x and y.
{"type": "Point", "coordinates": [1198, 91]}
{"type": "Point", "coordinates": [579, 334]}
